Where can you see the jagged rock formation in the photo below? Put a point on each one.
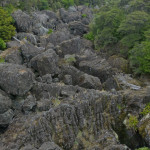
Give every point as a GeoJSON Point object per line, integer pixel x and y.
{"type": "Point", "coordinates": [57, 93]}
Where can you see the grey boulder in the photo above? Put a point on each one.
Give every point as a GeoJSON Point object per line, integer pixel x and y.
{"type": "Point", "coordinates": [46, 63]}
{"type": "Point", "coordinates": [15, 79]}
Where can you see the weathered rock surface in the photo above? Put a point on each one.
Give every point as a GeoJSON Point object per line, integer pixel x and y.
{"type": "Point", "coordinates": [71, 98]}
{"type": "Point", "coordinates": [15, 79]}
{"type": "Point", "coordinates": [46, 63]}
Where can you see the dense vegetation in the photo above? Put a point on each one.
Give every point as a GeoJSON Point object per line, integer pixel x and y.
{"type": "Point", "coordinates": [123, 27]}
{"type": "Point", "coordinates": [7, 30]}
{"type": "Point", "coordinates": [28, 5]}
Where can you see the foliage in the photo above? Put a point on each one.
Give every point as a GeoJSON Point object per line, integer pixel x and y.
{"type": "Point", "coordinates": [105, 25]}
{"type": "Point", "coordinates": [140, 58]}
{"type": "Point", "coordinates": [84, 15]}
{"type": "Point", "coordinates": [89, 36]}
{"type": "Point", "coordinates": [67, 3]}
{"type": "Point", "coordinates": [7, 30]}
{"type": "Point", "coordinates": [132, 122]}
{"type": "Point", "coordinates": [146, 110]}
{"type": "Point", "coordinates": [143, 148]}
{"type": "Point", "coordinates": [2, 60]}
{"type": "Point", "coordinates": [2, 44]}
{"type": "Point", "coordinates": [50, 31]}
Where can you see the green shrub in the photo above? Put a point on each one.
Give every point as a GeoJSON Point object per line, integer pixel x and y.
{"type": "Point", "coordinates": [2, 60]}
{"type": "Point", "coordinates": [140, 58]}
{"type": "Point", "coordinates": [2, 44]}
{"type": "Point", "coordinates": [50, 31]}
{"type": "Point", "coordinates": [67, 3]}
{"type": "Point", "coordinates": [89, 36]}
{"type": "Point", "coordinates": [146, 110]}
{"type": "Point", "coordinates": [143, 148]}
{"type": "Point", "coordinates": [7, 30]}
{"type": "Point", "coordinates": [84, 15]}
{"type": "Point", "coordinates": [132, 122]}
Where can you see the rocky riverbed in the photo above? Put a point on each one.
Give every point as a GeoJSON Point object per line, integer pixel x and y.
{"type": "Point", "coordinates": [58, 93]}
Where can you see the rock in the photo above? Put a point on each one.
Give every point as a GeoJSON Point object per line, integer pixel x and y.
{"type": "Point", "coordinates": [44, 104]}
{"type": "Point", "coordinates": [15, 79]}
{"type": "Point", "coordinates": [14, 56]}
{"type": "Point", "coordinates": [29, 51]}
{"type": "Point", "coordinates": [47, 79]}
{"type": "Point", "coordinates": [23, 21]}
{"type": "Point", "coordinates": [68, 17]}
{"type": "Point", "coordinates": [28, 36]}
{"type": "Point", "coordinates": [5, 102]}
{"type": "Point", "coordinates": [11, 44]}
{"type": "Point", "coordinates": [46, 63]}
{"type": "Point", "coordinates": [49, 146]}
{"type": "Point", "coordinates": [77, 28]}
{"type": "Point", "coordinates": [29, 103]}
{"type": "Point", "coordinates": [72, 9]}
{"type": "Point", "coordinates": [119, 63]}
{"type": "Point", "coordinates": [111, 84]}
{"type": "Point", "coordinates": [90, 82]}
{"type": "Point", "coordinates": [6, 117]}
{"type": "Point", "coordinates": [28, 147]}
{"type": "Point", "coordinates": [125, 81]}
{"type": "Point", "coordinates": [50, 14]}
{"type": "Point", "coordinates": [58, 37]}
{"type": "Point", "coordinates": [73, 46]}
{"type": "Point", "coordinates": [144, 128]}
{"type": "Point", "coordinates": [39, 30]}
{"type": "Point", "coordinates": [97, 67]}
{"type": "Point", "coordinates": [68, 79]}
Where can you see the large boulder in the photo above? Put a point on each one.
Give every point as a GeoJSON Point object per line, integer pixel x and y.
{"type": "Point", "coordinates": [23, 21]}
{"type": "Point", "coordinates": [58, 37]}
{"type": "Point", "coordinates": [28, 36]}
{"type": "Point", "coordinates": [46, 63]}
{"type": "Point", "coordinates": [12, 55]}
{"type": "Point", "coordinates": [69, 16]}
{"type": "Point", "coordinates": [29, 51]}
{"type": "Point", "coordinates": [97, 67]}
{"type": "Point", "coordinates": [72, 46]}
{"type": "Point", "coordinates": [77, 28]}
{"type": "Point", "coordinates": [119, 63]}
{"type": "Point", "coordinates": [15, 79]}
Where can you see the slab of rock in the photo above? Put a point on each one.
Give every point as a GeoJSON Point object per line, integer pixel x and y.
{"type": "Point", "coordinates": [5, 102]}
{"type": "Point", "coordinates": [57, 37]}
{"type": "Point", "coordinates": [97, 67]}
{"type": "Point", "coordinates": [72, 46]}
{"type": "Point", "coordinates": [14, 57]}
{"type": "Point", "coordinates": [46, 63]}
{"type": "Point", "coordinates": [29, 51]}
{"type": "Point", "coordinates": [90, 82]}
{"type": "Point", "coordinates": [77, 28]}
{"type": "Point", "coordinates": [49, 146]}
{"type": "Point", "coordinates": [23, 21]}
{"type": "Point", "coordinates": [15, 79]}
{"type": "Point", "coordinates": [6, 117]}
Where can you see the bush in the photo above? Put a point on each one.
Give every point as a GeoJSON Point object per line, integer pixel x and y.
{"type": "Point", "coordinates": [50, 31]}
{"type": "Point", "coordinates": [143, 148]}
{"type": "Point", "coordinates": [132, 122]}
{"type": "Point", "coordinates": [146, 110]}
{"type": "Point", "coordinates": [89, 36]}
{"type": "Point", "coordinates": [2, 44]}
{"type": "Point", "coordinates": [140, 58]}
{"type": "Point", "coordinates": [7, 30]}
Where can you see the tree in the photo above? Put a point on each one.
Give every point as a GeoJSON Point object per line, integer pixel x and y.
{"type": "Point", "coordinates": [140, 57]}
{"type": "Point", "coordinates": [7, 30]}
{"type": "Point", "coordinates": [105, 26]}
